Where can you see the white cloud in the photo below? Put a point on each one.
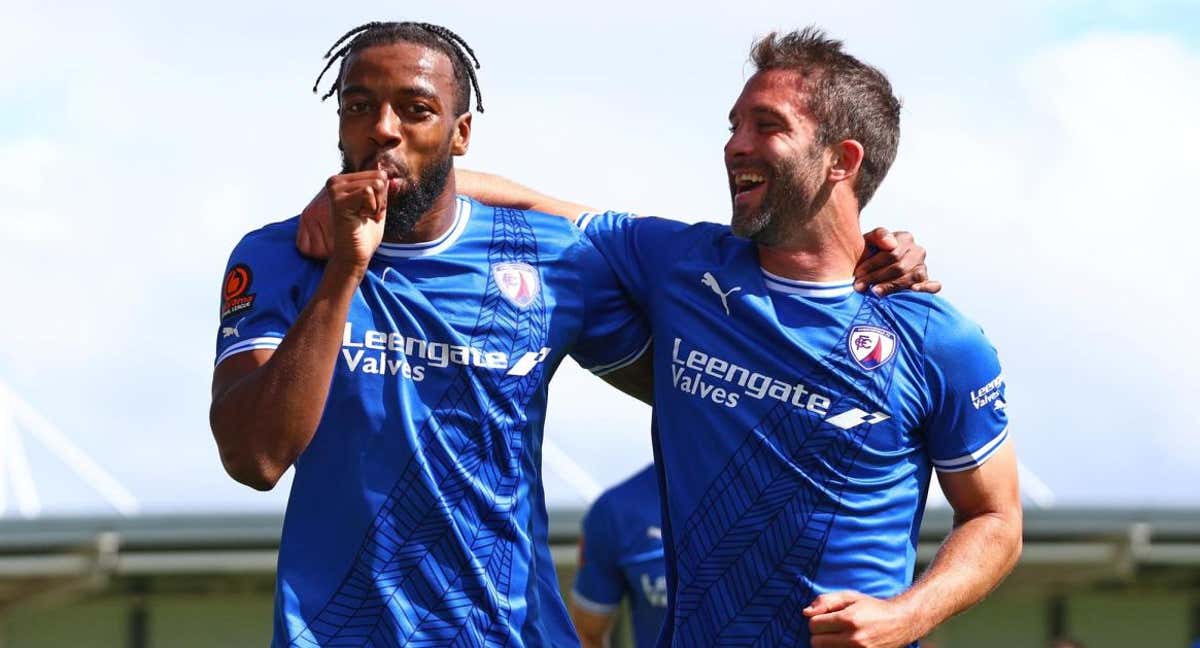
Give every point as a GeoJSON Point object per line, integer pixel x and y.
{"type": "Point", "coordinates": [1058, 208]}
{"type": "Point", "coordinates": [27, 188]}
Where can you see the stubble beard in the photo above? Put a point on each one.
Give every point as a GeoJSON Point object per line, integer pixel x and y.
{"type": "Point", "coordinates": [790, 201]}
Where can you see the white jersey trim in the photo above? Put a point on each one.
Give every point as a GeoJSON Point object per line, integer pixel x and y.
{"type": "Point", "coordinates": [601, 370]}
{"type": "Point", "coordinates": [428, 248]}
{"type": "Point", "coordinates": [808, 288]}
{"type": "Point", "coordinates": [592, 606]}
{"type": "Point", "coordinates": [974, 459]}
{"type": "Point", "coordinates": [269, 342]}
{"type": "Point", "coordinates": [584, 219]}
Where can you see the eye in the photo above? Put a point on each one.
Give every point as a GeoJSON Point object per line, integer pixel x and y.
{"type": "Point", "coordinates": [420, 109]}
{"type": "Point", "coordinates": [358, 107]}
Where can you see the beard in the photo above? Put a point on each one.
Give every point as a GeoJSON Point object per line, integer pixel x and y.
{"type": "Point", "coordinates": [791, 199]}
{"type": "Point", "coordinates": [405, 208]}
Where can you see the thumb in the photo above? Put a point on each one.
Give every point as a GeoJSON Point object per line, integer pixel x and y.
{"type": "Point", "coordinates": [381, 202]}
{"type": "Point", "coordinates": [881, 238]}
{"type": "Point", "coordinates": [302, 240]}
{"type": "Point", "coordinates": [832, 602]}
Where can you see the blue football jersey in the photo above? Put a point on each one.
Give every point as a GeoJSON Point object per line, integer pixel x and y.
{"type": "Point", "coordinates": [416, 515]}
{"type": "Point", "coordinates": [796, 425]}
{"type": "Point", "coordinates": [621, 555]}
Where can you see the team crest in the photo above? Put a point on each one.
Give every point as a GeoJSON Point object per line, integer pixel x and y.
{"type": "Point", "coordinates": [871, 346]}
{"type": "Point", "coordinates": [518, 282]}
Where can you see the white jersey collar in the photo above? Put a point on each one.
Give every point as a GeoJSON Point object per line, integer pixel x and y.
{"type": "Point", "coordinates": [837, 288]}
{"type": "Point", "coordinates": [428, 248]}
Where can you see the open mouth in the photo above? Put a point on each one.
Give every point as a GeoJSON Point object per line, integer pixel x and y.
{"type": "Point", "coordinates": [746, 183]}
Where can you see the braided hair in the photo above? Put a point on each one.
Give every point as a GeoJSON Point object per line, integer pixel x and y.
{"type": "Point", "coordinates": [432, 36]}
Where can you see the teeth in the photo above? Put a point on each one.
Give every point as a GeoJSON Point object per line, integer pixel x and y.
{"type": "Point", "coordinates": [743, 179]}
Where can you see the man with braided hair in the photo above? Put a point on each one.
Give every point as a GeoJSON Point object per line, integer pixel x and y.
{"type": "Point", "coordinates": [405, 377]}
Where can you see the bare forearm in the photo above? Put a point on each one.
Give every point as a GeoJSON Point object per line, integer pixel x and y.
{"type": "Point", "coordinates": [498, 191]}
{"type": "Point", "coordinates": [594, 629]}
{"type": "Point", "coordinates": [266, 419]}
{"type": "Point", "coordinates": [975, 557]}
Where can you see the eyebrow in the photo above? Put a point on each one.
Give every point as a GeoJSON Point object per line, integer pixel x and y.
{"type": "Point", "coordinates": [761, 110]}
{"type": "Point", "coordinates": [411, 91]}
{"type": "Point", "coordinates": [356, 89]}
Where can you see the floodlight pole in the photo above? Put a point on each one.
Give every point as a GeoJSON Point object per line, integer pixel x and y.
{"type": "Point", "coordinates": [17, 415]}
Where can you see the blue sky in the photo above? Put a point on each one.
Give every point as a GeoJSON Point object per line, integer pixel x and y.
{"type": "Point", "coordinates": [1046, 161]}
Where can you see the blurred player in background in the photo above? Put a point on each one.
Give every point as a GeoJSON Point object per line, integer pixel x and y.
{"type": "Point", "coordinates": [621, 557]}
{"type": "Point", "coordinates": [796, 420]}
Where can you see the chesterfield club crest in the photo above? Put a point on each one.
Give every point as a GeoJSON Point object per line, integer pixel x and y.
{"type": "Point", "coordinates": [518, 282]}
{"type": "Point", "coordinates": [871, 346]}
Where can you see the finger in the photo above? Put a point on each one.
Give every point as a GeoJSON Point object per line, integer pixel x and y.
{"type": "Point", "coordinates": [882, 239]}
{"type": "Point", "coordinates": [885, 289]}
{"type": "Point", "coordinates": [381, 198]}
{"type": "Point", "coordinates": [357, 176]}
{"type": "Point", "coordinates": [302, 240]}
{"type": "Point", "coordinates": [877, 261]}
{"type": "Point", "coordinates": [919, 274]}
{"type": "Point", "coordinates": [370, 202]}
{"type": "Point", "coordinates": [932, 286]}
{"type": "Point", "coordinates": [830, 602]}
{"type": "Point", "coordinates": [889, 274]}
{"type": "Point", "coordinates": [894, 278]}
{"type": "Point", "coordinates": [831, 623]}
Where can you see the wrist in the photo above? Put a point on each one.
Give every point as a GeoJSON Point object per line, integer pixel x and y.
{"type": "Point", "coordinates": [918, 614]}
{"type": "Point", "coordinates": [350, 270]}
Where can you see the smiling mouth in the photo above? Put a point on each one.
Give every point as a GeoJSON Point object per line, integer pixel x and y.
{"type": "Point", "coordinates": [746, 181]}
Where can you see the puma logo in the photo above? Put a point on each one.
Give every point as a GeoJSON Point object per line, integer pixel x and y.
{"type": "Point", "coordinates": [231, 331]}
{"type": "Point", "coordinates": [709, 280]}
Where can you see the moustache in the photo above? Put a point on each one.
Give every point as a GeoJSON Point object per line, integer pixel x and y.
{"type": "Point", "coordinates": [393, 167]}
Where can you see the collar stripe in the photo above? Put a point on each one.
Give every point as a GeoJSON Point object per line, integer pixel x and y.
{"type": "Point", "coordinates": [428, 248]}
{"type": "Point", "coordinates": [808, 288]}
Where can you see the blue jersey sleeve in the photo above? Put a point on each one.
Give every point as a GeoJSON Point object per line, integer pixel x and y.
{"type": "Point", "coordinates": [599, 585]}
{"type": "Point", "coordinates": [636, 248]}
{"type": "Point", "coordinates": [969, 417]}
{"type": "Point", "coordinates": [614, 331]}
{"type": "Point", "coordinates": [262, 293]}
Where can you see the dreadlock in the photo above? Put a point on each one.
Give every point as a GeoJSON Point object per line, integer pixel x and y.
{"type": "Point", "coordinates": [434, 36]}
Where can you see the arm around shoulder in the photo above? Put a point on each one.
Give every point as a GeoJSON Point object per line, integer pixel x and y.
{"type": "Point", "coordinates": [498, 191]}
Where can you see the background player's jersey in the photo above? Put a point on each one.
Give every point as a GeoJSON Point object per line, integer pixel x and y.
{"type": "Point", "coordinates": [416, 515]}
{"type": "Point", "coordinates": [621, 554]}
{"type": "Point", "coordinates": [795, 427]}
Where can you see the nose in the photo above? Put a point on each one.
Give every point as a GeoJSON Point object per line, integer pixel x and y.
{"type": "Point", "coordinates": [385, 132]}
{"type": "Point", "coordinates": [740, 143]}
